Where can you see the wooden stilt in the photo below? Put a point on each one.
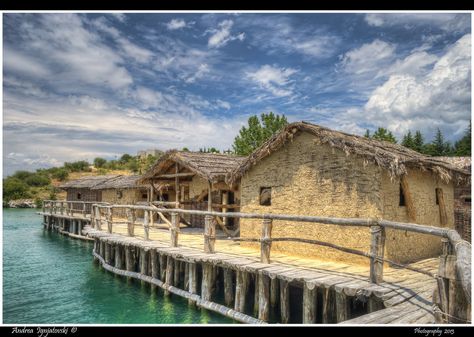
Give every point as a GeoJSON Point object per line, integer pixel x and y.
{"type": "Point", "coordinates": [309, 304]}
{"type": "Point", "coordinates": [374, 304]}
{"type": "Point", "coordinates": [169, 273]}
{"type": "Point", "coordinates": [207, 285]}
{"type": "Point", "coordinates": [285, 301]}
{"type": "Point", "coordinates": [342, 307]}
{"type": "Point", "coordinates": [176, 278]}
{"type": "Point", "coordinates": [146, 229]}
{"type": "Point", "coordinates": [130, 221]}
{"type": "Point", "coordinates": [162, 259]}
{"type": "Point", "coordinates": [143, 261]}
{"type": "Point", "coordinates": [255, 294]}
{"type": "Point", "coordinates": [266, 244]}
{"type": "Point", "coordinates": [325, 306]}
{"type": "Point", "coordinates": [154, 264]}
{"type": "Point", "coordinates": [209, 234]}
{"type": "Point", "coordinates": [241, 288]}
{"type": "Point", "coordinates": [228, 287]}
{"type": "Point", "coordinates": [129, 260]}
{"type": "Point", "coordinates": [192, 268]}
{"type": "Point", "coordinates": [274, 292]}
{"type": "Point", "coordinates": [264, 297]}
{"type": "Point", "coordinates": [174, 229]}
{"type": "Point", "coordinates": [377, 246]}
{"type": "Point", "coordinates": [118, 256]}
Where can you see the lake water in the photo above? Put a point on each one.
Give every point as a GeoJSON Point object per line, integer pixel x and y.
{"type": "Point", "coordinates": [52, 279]}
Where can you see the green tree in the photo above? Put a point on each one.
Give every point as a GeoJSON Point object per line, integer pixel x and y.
{"type": "Point", "coordinates": [408, 141]}
{"type": "Point", "coordinates": [257, 132]}
{"type": "Point", "coordinates": [367, 133]}
{"type": "Point", "coordinates": [22, 175]}
{"type": "Point", "coordinates": [418, 142]}
{"type": "Point", "coordinates": [463, 146]}
{"type": "Point", "coordinates": [37, 180]}
{"type": "Point", "coordinates": [384, 134]}
{"type": "Point", "coordinates": [125, 158]}
{"type": "Point", "coordinates": [185, 149]}
{"type": "Point", "coordinates": [438, 147]}
{"type": "Point", "coordinates": [14, 188]}
{"type": "Point", "coordinates": [61, 174]}
{"type": "Point", "coordinates": [77, 166]}
{"type": "Point", "coordinates": [99, 162]}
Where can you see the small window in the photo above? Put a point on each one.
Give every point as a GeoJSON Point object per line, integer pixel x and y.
{"type": "Point", "coordinates": [467, 200]}
{"type": "Point", "coordinates": [79, 196]}
{"type": "Point", "coordinates": [436, 195]}
{"type": "Point", "coordinates": [144, 196]}
{"type": "Point", "coordinates": [265, 196]}
{"type": "Point", "coordinates": [166, 197]}
{"type": "Point", "coordinates": [119, 194]}
{"type": "Point", "coordinates": [401, 198]}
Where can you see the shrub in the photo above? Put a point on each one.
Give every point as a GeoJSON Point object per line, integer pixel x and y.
{"type": "Point", "coordinates": [37, 180]}
{"type": "Point", "coordinates": [14, 188]}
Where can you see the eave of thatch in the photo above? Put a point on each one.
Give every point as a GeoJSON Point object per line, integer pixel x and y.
{"type": "Point", "coordinates": [396, 159]}
{"type": "Point", "coordinates": [210, 166]}
{"type": "Point", "coordinates": [87, 182]}
{"type": "Point", "coordinates": [120, 182]}
{"type": "Point", "coordinates": [459, 162]}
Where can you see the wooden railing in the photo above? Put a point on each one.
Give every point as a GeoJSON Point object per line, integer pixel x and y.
{"type": "Point", "coordinates": [453, 277]}
{"type": "Point", "coordinates": [69, 208]}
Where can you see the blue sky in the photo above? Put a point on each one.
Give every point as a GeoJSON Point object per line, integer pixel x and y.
{"type": "Point", "coordinates": [78, 86]}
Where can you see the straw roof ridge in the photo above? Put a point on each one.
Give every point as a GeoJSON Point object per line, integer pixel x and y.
{"type": "Point", "coordinates": [392, 157]}
{"type": "Point", "coordinates": [121, 181]}
{"type": "Point", "coordinates": [211, 166]}
{"type": "Point", "coordinates": [88, 181]}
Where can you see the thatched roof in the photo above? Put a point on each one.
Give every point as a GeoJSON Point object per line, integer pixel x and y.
{"type": "Point", "coordinates": [119, 182]}
{"type": "Point", "coordinates": [392, 157]}
{"type": "Point", "coordinates": [88, 182]}
{"type": "Point", "coordinates": [211, 166]}
{"type": "Point", "coordinates": [459, 162]}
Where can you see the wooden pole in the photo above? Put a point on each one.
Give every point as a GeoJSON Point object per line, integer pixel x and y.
{"type": "Point", "coordinates": [209, 234]}
{"type": "Point", "coordinates": [129, 261]}
{"type": "Point", "coordinates": [176, 185]}
{"type": "Point", "coordinates": [118, 256]}
{"type": "Point", "coordinates": [131, 221]}
{"type": "Point", "coordinates": [83, 209]}
{"type": "Point", "coordinates": [228, 287]}
{"type": "Point", "coordinates": [109, 220]}
{"type": "Point", "coordinates": [408, 199]}
{"type": "Point", "coordinates": [325, 306]}
{"type": "Point", "coordinates": [176, 277]}
{"type": "Point", "coordinates": [266, 244]}
{"type": "Point", "coordinates": [342, 307]}
{"type": "Point", "coordinates": [284, 301]}
{"type": "Point", "coordinates": [264, 297]}
{"type": "Point", "coordinates": [309, 304]}
{"type": "Point", "coordinates": [443, 216]}
{"type": "Point", "coordinates": [162, 259]}
{"type": "Point", "coordinates": [143, 262]}
{"type": "Point", "coordinates": [169, 273]}
{"type": "Point", "coordinates": [146, 228]}
{"type": "Point", "coordinates": [241, 288]}
{"type": "Point", "coordinates": [192, 279]}
{"type": "Point", "coordinates": [377, 246]}
{"type": "Point", "coordinates": [174, 229]}
{"type": "Point", "coordinates": [207, 285]}
{"type": "Point", "coordinates": [155, 272]}
{"type": "Point", "coordinates": [274, 292]}
{"type": "Point", "coordinates": [225, 202]}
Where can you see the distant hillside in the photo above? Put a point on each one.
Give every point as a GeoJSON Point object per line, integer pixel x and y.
{"type": "Point", "coordinates": [43, 183]}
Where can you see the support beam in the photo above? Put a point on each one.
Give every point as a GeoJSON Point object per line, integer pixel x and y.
{"type": "Point", "coordinates": [408, 198]}
{"type": "Point", "coordinates": [143, 262]}
{"type": "Point", "coordinates": [118, 256]}
{"type": "Point", "coordinates": [155, 268]}
{"type": "Point", "coordinates": [264, 297]}
{"type": "Point", "coordinates": [109, 220]}
{"type": "Point", "coordinates": [342, 307]}
{"type": "Point", "coordinates": [325, 306]}
{"type": "Point", "coordinates": [209, 234]}
{"type": "Point", "coordinates": [228, 287]}
{"type": "Point", "coordinates": [208, 282]}
{"type": "Point", "coordinates": [285, 301]}
{"type": "Point", "coordinates": [174, 229]}
{"type": "Point", "coordinates": [130, 221]}
{"type": "Point", "coordinates": [146, 228]}
{"type": "Point", "coordinates": [169, 273]}
{"type": "Point", "coordinates": [225, 202]}
{"type": "Point", "coordinates": [192, 279]}
{"type": "Point", "coordinates": [209, 197]}
{"type": "Point", "coordinates": [309, 304]}
{"type": "Point", "coordinates": [377, 246]}
{"type": "Point", "coordinates": [162, 259]}
{"type": "Point", "coordinates": [176, 175]}
{"type": "Point", "coordinates": [241, 289]}
{"type": "Point", "coordinates": [274, 292]}
{"type": "Point", "coordinates": [443, 216]}
{"type": "Point", "coordinates": [176, 185]}
{"type": "Point", "coordinates": [177, 273]}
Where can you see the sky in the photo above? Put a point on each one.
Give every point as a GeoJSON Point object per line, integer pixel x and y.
{"type": "Point", "coordinates": [78, 86]}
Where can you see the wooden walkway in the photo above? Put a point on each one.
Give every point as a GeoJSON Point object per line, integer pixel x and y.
{"type": "Point", "coordinates": [406, 295]}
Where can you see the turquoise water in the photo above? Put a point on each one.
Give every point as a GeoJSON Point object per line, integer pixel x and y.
{"type": "Point", "coordinates": [49, 279]}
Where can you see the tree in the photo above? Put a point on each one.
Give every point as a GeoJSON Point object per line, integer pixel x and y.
{"type": "Point", "coordinates": [384, 134]}
{"type": "Point", "coordinates": [463, 146]}
{"type": "Point", "coordinates": [185, 149]}
{"type": "Point", "coordinates": [367, 133]}
{"type": "Point", "coordinates": [418, 142]}
{"type": "Point", "coordinates": [408, 141]}
{"type": "Point", "coordinates": [438, 147]}
{"type": "Point", "coordinates": [61, 174]}
{"type": "Point", "coordinates": [14, 188]}
{"type": "Point", "coordinates": [125, 158]}
{"type": "Point", "coordinates": [99, 162]}
{"type": "Point", "coordinates": [256, 133]}
{"type": "Point", "coordinates": [77, 166]}
{"type": "Point", "coordinates": [37, 180]}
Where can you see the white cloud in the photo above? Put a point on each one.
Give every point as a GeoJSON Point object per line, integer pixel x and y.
{"type": "Point", "coordinates": [440, 97]}
{"type": "Point", "coordinates": [202, 70]}
{"type": "Point", "coordinates": [223, 104]}
{"type": "Point", "coordinates": [273, 79]}
{"type": "Point", "coordinates": [120, 17]}
{"type": "Point", "coordinates": [18, 62]}
{"type": "Point", "coordinates": [445, 21]}
{"type": "Point", "coordinates": [176, 24]}
{"type": "Point", "coordinates": [369, 58]}
{"type": "Point", "coordinates": [221, 36]}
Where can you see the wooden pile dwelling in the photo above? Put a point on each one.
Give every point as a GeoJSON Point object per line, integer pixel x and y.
{"type": "Point", "coordinates": [307, 169]}
{"type": "Point", "coordinates": [188, 178]}
{"type": "Point", "coordinates": [462, 198]}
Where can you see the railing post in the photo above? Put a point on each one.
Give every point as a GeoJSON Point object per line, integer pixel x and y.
{"type": "Point", "coordinates": [377, 246]}
{"type": "Point", "coordinates": [109, 219]}
{"type": "Point", "coordinates": [209, 234]}
{"type": "Point", "coordinates": [99, 219]}
{"type": "Point", "coordinates": [266, 243]}
{"type": "Point", "coordinates": [61, 207]}
{"type": "Point", "coordinates": [146, 233]}
{"type": "Point", "coordinates": [83, 209]}
{"type": "Point", "coordinates": [174, 229]}
{"type": "Point", "coordinates": [131, 221]}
